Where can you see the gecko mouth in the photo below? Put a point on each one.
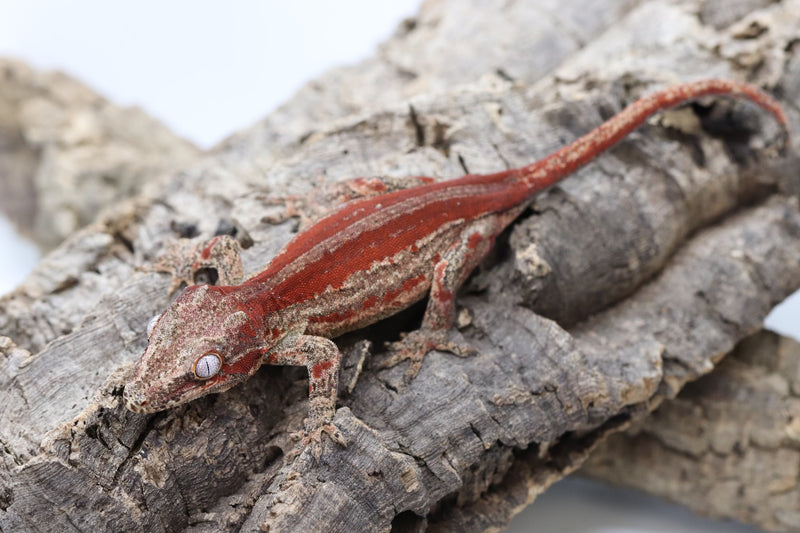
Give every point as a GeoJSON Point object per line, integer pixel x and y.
{"type": "Point", "coordinates": [136, 399]}
{"type": "Point", "coordinates": [139, 399]}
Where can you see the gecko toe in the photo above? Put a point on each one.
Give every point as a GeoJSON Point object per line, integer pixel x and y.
{"type": "Point", "coordinates": [416, 344]}
{"type": "Point", "coordinates": [312, 440]}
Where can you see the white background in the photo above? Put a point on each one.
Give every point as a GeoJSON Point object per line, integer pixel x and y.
{"type": "Point", "coordinates": [207, 69]}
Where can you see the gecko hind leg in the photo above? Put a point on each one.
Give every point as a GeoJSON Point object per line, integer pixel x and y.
{"type": "Point", "coordinates": [448, 275]}
{"type": "Point", "coordinates": [328, 196]}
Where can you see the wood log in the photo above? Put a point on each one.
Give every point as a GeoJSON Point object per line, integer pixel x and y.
{"type": "Point", "coordinates": [727, 446]}
{"type": "Point", "coordinates": [620, 285]}
{"type": "Point", "coordinates": [66, 152]}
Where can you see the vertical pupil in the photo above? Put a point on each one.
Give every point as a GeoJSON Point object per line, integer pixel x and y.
{"type": "Point", "coordinates": [207, 366]}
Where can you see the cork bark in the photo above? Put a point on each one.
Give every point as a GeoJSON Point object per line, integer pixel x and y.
{"type": "Point", "coordinates": [619, 286]}
{"type": "Point", "coordinates": [727, 446]}
{"type": "Point", "coordinates": [66, 152]}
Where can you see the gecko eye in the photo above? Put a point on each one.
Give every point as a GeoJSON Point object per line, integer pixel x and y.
{"type": "Point", "coordinates": [206, 366]}
{"type": "Point", "coordinates": [151, 324]}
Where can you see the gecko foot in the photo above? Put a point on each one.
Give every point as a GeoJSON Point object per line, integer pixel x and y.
{"type": "Point", "coordinates": [186, 260]}
{"type": "Point", "coordinates": [293, 207]}
{"type": "Point", "coordinates": [312, 439]}
{"type": "Point", "coordinates": [413, 347]}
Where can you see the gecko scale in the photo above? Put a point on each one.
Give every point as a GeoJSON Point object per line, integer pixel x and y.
{"type": "Point", "coordinates": [366, 260]}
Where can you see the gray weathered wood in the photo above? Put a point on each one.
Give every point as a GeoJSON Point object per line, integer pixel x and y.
{"type": "Point", "coordinates": [728, 440]}
{"type": "Point", "coordinates": [66, 152]}
{"type": "Point", "coordinates": [698, 240]}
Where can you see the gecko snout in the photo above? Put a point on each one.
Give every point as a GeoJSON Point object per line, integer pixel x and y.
{"type": "Point", "coordinates": [133, 398]}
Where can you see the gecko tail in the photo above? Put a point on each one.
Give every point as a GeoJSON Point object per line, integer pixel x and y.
{"type": "Point", "coordinates": [571, 157]}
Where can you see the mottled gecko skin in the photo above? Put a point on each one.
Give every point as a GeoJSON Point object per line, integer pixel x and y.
{"type": "Point", "coordinates": [368, 259]}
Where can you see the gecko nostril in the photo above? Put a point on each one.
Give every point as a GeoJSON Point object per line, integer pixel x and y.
{"type": "Point", "coordinates": [132, 398]}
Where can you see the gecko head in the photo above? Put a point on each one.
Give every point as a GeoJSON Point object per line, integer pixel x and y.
{"type": "Point", "coordinates": [203, 343]}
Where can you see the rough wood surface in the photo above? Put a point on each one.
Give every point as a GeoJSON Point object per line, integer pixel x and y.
{"type": "Point", "coordinates": [728, 446]}
{"type": "Point", "coordinates": [657, 260]}
{"type": "Point", "coordinates": [66, 152]}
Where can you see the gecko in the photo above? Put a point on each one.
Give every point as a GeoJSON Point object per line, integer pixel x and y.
{"type": "Point", "coordinates": [366, 260]}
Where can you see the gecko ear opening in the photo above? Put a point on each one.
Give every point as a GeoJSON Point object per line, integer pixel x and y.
{"type": "Point", "coordinates": [207, 365]}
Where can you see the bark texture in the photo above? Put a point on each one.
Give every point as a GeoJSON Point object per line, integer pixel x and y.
{"type": "Point", "coordinates": [619, 286]}
{"type": "Point", "coordinates": [728, 446]}
{"type": "Point", "coordinates": [66, 152]}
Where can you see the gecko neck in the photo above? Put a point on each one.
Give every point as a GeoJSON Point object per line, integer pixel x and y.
{"type": "Point", "coordinates": [267, 315]}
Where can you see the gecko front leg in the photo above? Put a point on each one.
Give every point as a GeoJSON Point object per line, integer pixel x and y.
{"type": "Point", "coordinates": [190, 262]}
{"type": "Point", "coordinates": [449, 273]}
{"type": "Point", "coordinates": [321, 357]}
